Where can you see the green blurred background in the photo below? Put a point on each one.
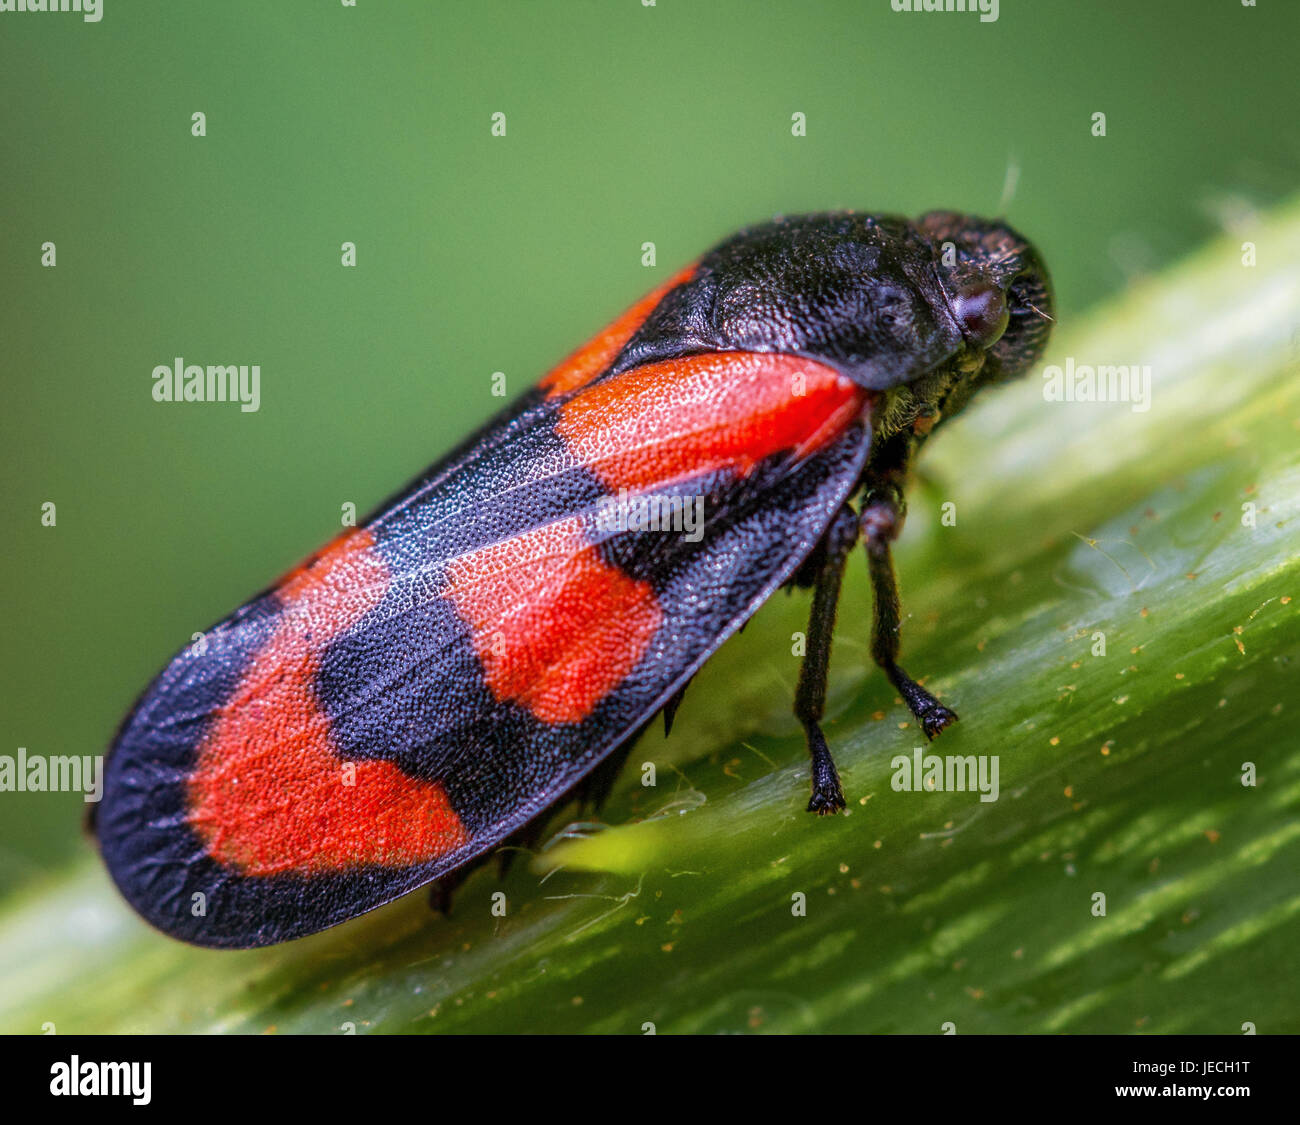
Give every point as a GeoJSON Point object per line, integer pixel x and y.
{"type": "Point", "coordinates": [626, 124]}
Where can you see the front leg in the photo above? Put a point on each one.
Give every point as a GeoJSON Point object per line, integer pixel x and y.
{"type": "Point", "coordinates": [882, 520]}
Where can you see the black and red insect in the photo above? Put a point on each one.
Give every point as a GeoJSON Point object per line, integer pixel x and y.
{"type": "Point", "coordinates": [434, 680]}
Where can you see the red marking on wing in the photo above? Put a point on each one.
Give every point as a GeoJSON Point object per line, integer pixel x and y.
{"type": "Point", "coordinates": [270, 794]}
{"type": "Point", "coordinates": [598, 353]}
{"type": "Point", "coordinates": [720, 411]}
{"type": "Point", "coordinates": [555, 628]}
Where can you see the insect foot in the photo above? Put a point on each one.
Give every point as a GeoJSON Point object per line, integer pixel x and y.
{"type": "Point", "coordinates": [827, 796]}
{"type": "Point", "coordinates": [935, 720]}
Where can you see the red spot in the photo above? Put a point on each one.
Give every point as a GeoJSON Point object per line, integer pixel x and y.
{"type": "Point", "coordinates": [555, 628]}
{"type": "Point", "coordinates": [270, 794]}
{"type": "Point", "coordinates": [597, 354]}
{"type": "Point", "coordinates": [719, 411]}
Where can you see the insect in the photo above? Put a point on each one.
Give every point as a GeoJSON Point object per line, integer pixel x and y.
{"type": "Point", "coordinates": [495, 636]}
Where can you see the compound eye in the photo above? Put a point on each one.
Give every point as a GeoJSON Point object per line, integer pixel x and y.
{"type": "Point", "coordinates": [981, 310]}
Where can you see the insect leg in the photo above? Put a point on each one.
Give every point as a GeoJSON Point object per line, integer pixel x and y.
{"type": "Point", "coordinates": [523, 839]}
{"type": "Point", "coordinates": [810, 696]}
{"type": "Point", "coordinates": [670, 708]}
{"type": "Point", "coordinates": [881, 522]}
{"type": "Point", "coordinates": [595, 788]}
{"type": "Point", "coordinates": [442, 889]}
